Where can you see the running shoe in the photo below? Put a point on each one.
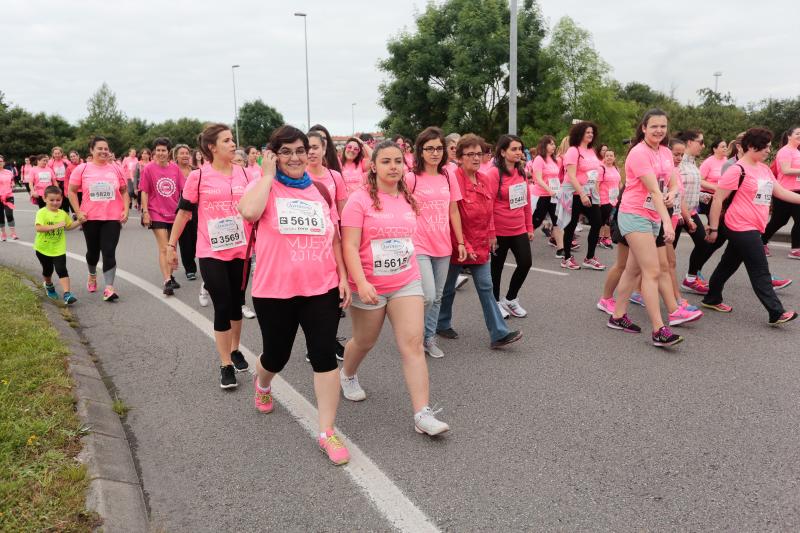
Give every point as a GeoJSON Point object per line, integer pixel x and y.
{"type": "Point", "coordinates": [721, 307]}
{"type": "Point", "coordinates": [426, 422]}
{"type": "Point", "coordinates": [593, 264]}
{"type": "Point", "coordinates": [168, 289]}
{"type": "Point", "coordinates": [513, 336]}
{"type": "Point", "coordinates": [461, 281]}
{"type": "Point", "coordinates": [433, 350]}
{"type": "Point", "coordinates": [263, 397]}
{"type": "Point", "coordinates": [547, 230]}
{"type": "Point", "coordinates": [682, 316]}
{"type": "Point", "coordinates": [603, 244]}
{"type": "Point", "coordinates": [607, 304]}
{"type": "Point", "coordinates": [794, 254]}
{"type": "Point", "coordinates": [172, 283]}
{"type": "Point", "coordinates": [351, 388]}
{"type": "Point", "coordinates": [560, 253]}
{"type": "Point", "coordinates": [69, 299]}
{"type": "Point", "coordinates": [203, 296]}
{"type": "Point", "coordinates": [505, 314]}
{"type": "Point", "coordinates": [339, 351]}
{"type": "Point", "coordinates": [575, 245]}
{"type": "Point", "coordinates": [239, 362]}
{"type": "Point", "coordinates": [636, 298]}
{"type": "Point", "coordinates": [109, 295]}
{"type": "Point", "coordinates": [664, 337]}
{"type": "Point", "coordinates": [448, 333]}
{"type": "Point", "coordinates": [3, 237]}
{"type": "Point", "coordinates": [779, 284]}
{"type": "Point", "coordinates": [191, 276]}
{"type": "Point", "coordinates": [51, 291]}
{"type": "Point", "coordinates": [788, 316]}
{"type": "Point", "coordinates": [552, 242]}
{"type": "Point", "coordinates": [766, 251]}
{"type": "Point", "coordinates": [623, 323]}
{"type": "Point", "coordinates": [695, 286]}
{"type": "Point", "coordinates": [227, 377]}
{"type": "Point", "coordinates": [14, 236]}
{"type": "Point", "coordinates": [331, 445]}
{"type": "Point", "coordinates": [609, 243]}
{"type": "Point", "coordinates": [91, 283]}
{"type": "Point", "coordinates": [684, 303]}
{"type": "Point", "coordinates": [570, 264]}
{"type": "Point", "coordinates": [247, 312]}
{"type": "Point", "coordinates": [513, 307]}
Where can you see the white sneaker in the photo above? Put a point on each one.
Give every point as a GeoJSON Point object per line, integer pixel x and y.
{"type": "Point", "coordinates": [351, 389]}
{"type": "Point", "coordinates": [461, 280]}
{"type": "Point", "coordinates": [505, 314]}
{"type": "Point", "coordinates": [426, 422]}
{"type": "Point", "coordinates": [433, 350]}
{"type": "Point", "coordinates": [513, 307]}
{"type": "Point", "coordinates": [247, 312]}
{"type": "Point", "coordinates": [203, 297]}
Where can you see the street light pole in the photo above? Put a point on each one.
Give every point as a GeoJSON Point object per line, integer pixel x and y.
{"type": "Point", "coordinates": [512, 72]}
{"type": "Point", "coordinates": [353, 116]}
{"type": "Point", "coordinates": [308, 94]}
{"type": "Point", "coordinates": [235, 106]}
{"type": "Point", "coordinates": [717, 74]}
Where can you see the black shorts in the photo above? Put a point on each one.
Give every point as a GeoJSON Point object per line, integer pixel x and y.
{"type": "Point", "coordinates": [155, 224]}
{"type": "Point", "coordinates": [605, 214]}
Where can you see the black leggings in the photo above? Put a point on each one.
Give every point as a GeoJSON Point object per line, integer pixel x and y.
{"type": "Point", "coordinates": [605, 214]}
{"type": "Point", "coordinates": [521, 248]}
{"type": "Point", "coordinates": [57, 263]}
{"type": "Point", "coordinates": [279, 319]}
{"type": "Point", "coordinates": [781, 213]}
{"type": "Point", "coordinates": [543, 208]}
{"type": "Point", "coordinates": [697, 257]}
{"type": "Point", "coordinates": [702, 253]}
{"type": "Point", "coordinates": [6, 213]}
{"type": "Point", "coordinates": [188, 244]}
{"type": "Point", "coordinates": [593, 214]}
{"type": "Point", "coordinates": [65, 206]}
{"type": "Point", "coordinates": [223, 281]}
{"type": "Point", "coordinates": [102, 236]}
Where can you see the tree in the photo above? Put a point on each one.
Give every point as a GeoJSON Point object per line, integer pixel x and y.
{"type": "Point", "coordinates": [453, 71]}
{"type": "Point", "coordinates": [181, 131]}
{"type": "Point", "coordinates": [104, 118]}
{"type": "Point", "coordinates": [777, 115]}
{"type": "Point", "coordinates": [23, 134]}
{"type": "Point", "coordinates": [257, 120]}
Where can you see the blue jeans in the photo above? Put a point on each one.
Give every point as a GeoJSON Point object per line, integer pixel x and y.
{"type": "Point", "coordinates": [482, 279]}
{"type": "Point", "coordinates": [433, 271]}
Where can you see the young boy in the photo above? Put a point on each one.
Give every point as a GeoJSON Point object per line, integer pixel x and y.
{"type": "Point", "coordinates": [51, 242]}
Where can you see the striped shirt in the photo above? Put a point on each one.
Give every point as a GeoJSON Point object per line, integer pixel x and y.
{"type": "Point", "coordinates": [690, 175]}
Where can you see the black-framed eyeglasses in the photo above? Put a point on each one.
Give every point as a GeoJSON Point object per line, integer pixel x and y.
{"type": "Point", "coordinates": [433, 149]}
{"type": "Point", "coordinates": [286, 152]}
{"type": "Point", "coordinates": [473, 154]}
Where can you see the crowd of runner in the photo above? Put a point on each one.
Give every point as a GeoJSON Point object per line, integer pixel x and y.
{"type": "Point", "coordinates": [391, 230]}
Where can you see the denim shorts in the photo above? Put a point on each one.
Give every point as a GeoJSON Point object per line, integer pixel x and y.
{"type": "Point", "coordinates": [631, 223]}
{"type": "Point", "coordinates": [412, 289]}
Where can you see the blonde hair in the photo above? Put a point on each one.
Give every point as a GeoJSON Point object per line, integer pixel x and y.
{"type": "Point", "coordinates": [563, 147]}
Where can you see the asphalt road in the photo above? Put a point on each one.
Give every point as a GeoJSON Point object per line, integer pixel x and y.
{"type": "Point", "coordinates": [576, 427]}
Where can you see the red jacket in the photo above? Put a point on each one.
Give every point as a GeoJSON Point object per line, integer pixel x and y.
{"type": "Point", "coordinates": [477, 218]}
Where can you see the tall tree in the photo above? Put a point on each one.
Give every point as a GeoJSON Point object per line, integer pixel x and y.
{"type": "Point", "coordinates": [256, 122]}
{"type": "Point", "coordinates": [104, 118]}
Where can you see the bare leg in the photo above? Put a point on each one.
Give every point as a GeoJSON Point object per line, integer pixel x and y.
{"type": "Point", "coordinates": [236, 333]}
{"type": "Point", "coordinates": [326, 389]}
{"type": "Point", "coordinates": [367, 326]}
{"type": "Point", "coordinates": [643, 255]}
{"type": "Point", "coordinates": [406, 315]}
{"type": "Point", "coordinates": [162, 237]}
{"type": "Point", "coordinates": [223, 341]}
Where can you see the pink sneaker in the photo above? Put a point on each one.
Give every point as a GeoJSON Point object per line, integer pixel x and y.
{"type": "Point", "coordinates": [794, 254]}
{"type": "Point", "coordinates": [332, 445]}
{"type": "Point", "coordinates": [779, 284]}
{"type": "Point", "coordinates": [263, 399]}
{"type": "Point", "coordinates": [91, 283]}
{"type": "Point", "coordinates": [570, 264]}
{"type": "Point", "coordinates": [3, 237]}
{"type": "Point", "coordinates": [14, 236]}
{"type": "Point", "coordinates": [109, 295]}
{"type": "Point", "coordinates": [682, 315]}
{"type": "Point", "coordinates": [695, 286]}
{"type": "Point", "coordinates": [593, 264]}
{"type": "Point", "coordinates": [607, 304]}
{"type": "Point", "coordinates": [766, 251]}
{"type": "Point", "coordinates": [575, 245]}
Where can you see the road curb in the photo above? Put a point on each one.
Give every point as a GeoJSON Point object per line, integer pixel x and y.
{"type": "Point", "coordinates": [115, 490]}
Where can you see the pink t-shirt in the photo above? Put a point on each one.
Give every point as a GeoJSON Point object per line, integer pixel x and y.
{"type": "Point", "coordinates": [433, 195]}
{"type": "Point", "coordinates": [353, 176]}
{"type": "Point", "coordinates": [512, 206]}
{"type": "Point", "coordinates": [294, 244]}
{"type": "Point", "coordinates": [749, 209]}
{"type": "Point", "coordinates": [789, 155]}
{"type": "Point", "coordinates": [163, 186]}
{"type": "Point", "coordinates": [387, 248]}
{"type": "Point", "coordinates": [59, 168]}
{"type": "Point", "coordinates": [254, 172]}
{"type": "Point", "coordinates": [549, 170]}
{"type": "Point", "coordinates": [102, 187]}
{"type": "Point", "coordinates": [222, 233]}
{"type": "Point", "coordinates": [609, 185]}
{"type": "Point", "coordinates": [333, 181]}
{"type": "Point", "coordinates": [26, 173]}
{"type": "Point", "coordinates": [643, 160]}
{"type": "Point", "coordinates": [6, 183]}
{"type": "Point", "coordinates": [587, 165]}
{"type": "Point", "coordinates": [129, 165]}
{"type": "Point", "coordinates": [710, 169]}
{"type": "Point", "coordinates": [41, 178]}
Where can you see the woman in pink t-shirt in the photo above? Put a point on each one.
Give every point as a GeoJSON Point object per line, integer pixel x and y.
{"type": "Point", "coordinates": [6, 201]}
{"type": "Point", "coordinates": [436, 191]}
{"type": "Point", "coordinates": [609, 194]}
{"type": "Point", "coordinates": [144, 159]}
{"type": "Point", "coordinates": [355, 160]}
{"type": "Point", "coordinates": [59, 165]}
{"type": "Point", "coordinates": [182, 155]}
{"type": "Point", "coordinates": [754, 185]}
{"type": "Point", "coordinates": [378, 225]}
{"type": "Point", "coordinates": [787, 161]}
{"type": "Point", "coordinates": [319, 172]}
{"type": "Point", "coordinates": [253, 168]}
{"type": "Point", "coordinates": [103, 209]}
{"type": "Point", "coordinates": [300, 280]}
{"type": "Point", "coordinates": [545, 172]}
{"type": "Point", "coordinates": [215, 191]}
{"type": "Point", "coordinates": [42, 177]}
{"type": "Point", "coordinates": [710, 171]}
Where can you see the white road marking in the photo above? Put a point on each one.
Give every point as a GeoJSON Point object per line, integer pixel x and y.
{"type": "Point", "coordinates": [542, 270]}
{"type": "Point", "coordinates": [377, 487]}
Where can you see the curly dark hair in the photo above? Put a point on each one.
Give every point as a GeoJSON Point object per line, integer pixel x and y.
{"type": "Point", "coordinates": [756, 138]}
{"type": "Point", "coordinates": [577, 131]}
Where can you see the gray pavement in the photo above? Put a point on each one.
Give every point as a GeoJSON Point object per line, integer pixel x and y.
{"type": "Point", "coordinates": [576, 427]}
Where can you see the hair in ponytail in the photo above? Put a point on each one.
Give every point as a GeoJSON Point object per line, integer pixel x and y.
{"type": "Point", "coordinates": [372, 179]}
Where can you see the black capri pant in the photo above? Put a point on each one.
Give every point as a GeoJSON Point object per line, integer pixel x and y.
{"type": "Point", "coordinates": [223, 281]}
{"type": "Point", "coordinates": [543, 208]}
{"type": "Point", "coordinates": [279, 318]}
{"type": "Point", "coordinates": [592, 212]}
{"type": "Point", "coordinates": [50, 263]}
{"type": "Point", "coordinates": [520, 246]}
{"type": "Point", "coordinates": [7, 212]}
{"type": "Point", "coordinates": [102, 237]}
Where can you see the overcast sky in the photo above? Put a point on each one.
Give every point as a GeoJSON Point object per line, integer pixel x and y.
{"type": "Point", "coordinates": [172, 58]}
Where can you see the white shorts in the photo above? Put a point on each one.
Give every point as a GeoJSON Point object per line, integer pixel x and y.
{"type": "Point", "coordinates": [412, 289]}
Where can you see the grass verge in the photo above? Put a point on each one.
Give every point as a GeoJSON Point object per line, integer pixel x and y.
{"type": "Point", "coordinates": [42, 486]}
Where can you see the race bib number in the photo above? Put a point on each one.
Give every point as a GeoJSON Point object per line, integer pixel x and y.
{"type": "Point", "coordinates": [60, 172]}
{"type": "Point", "coordinates": [226, 233]}
{"type": "Point", "coordinates": [102, 191]}
{"type": "Point", "coordinates": [648, 202]}
{"type": "Point", "coordinates": [676, 203]}
{"type": "Point", "coordinates": [764, 193]}
{"type": "Point", "coordinates": [554, 185]}
{"type": "Point", "coordinates": [391, 256]}
{"type": "Point", "coordinates": [300, 217]}
{"type": "Point", "coordinates": [591, 177]}
{"type": "Point", "coordinates": [613, 195]}
{"type": "Point", "coordinates": [517, 195]}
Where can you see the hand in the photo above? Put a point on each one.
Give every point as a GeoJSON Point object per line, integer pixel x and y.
{"type": "Point", "coordinates": [691, 226]}
{"type": "Point", "coordinates": [669, 199]}
{"type": "Point", "coordinates": [34, 196]}
{"type": "Point", "coordinates": [124, 218]}
{"type": "Point", "coordinates": [550, 191]}
{"type": "Point", "coordinates": [269, 164]}
{"type": "Point", "coordinates": [493, 245]}
{"type": "Point", "coordinates": [472, 255]}
{"type": "Point", "coordinates": [81, 217]}
{"type": "Point", "coordinates": [60, 225]}
{"type": "Point", "coordinates": [367, 293]}
{"type": "Point", "coordinates": [146, 219]}
{"type": "Point", "coordinates": [530, 235]}
{"type": "Point", "coordinates": [344, 294]}
{"type": "Point", "coordinates": [462, 253]}
{"type": "Point", "coordinates": [172, 257]}
{"type": "Point", "coordinates": [711, 237]}
{"type": "Point", "coordinates": [585, 200]}
{"type": "Point", "coordinates": [669, 234]}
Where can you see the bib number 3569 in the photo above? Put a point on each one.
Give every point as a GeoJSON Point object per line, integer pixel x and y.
{"type": "Point", "coordinates": [226, 233]}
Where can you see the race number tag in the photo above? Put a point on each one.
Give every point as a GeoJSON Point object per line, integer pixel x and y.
{"type": "Point", "coordinates": [554, 185]}
{"type": "Point", "coordinates": [676, 203]}
{"type": "Point", "coordinates": [613, 195]}
{"type": "Point", "coordinates": [60, 171]}
{"type": "Point", "coordinates": [517, 195]}
{"type": "Point", "coordinates": [391, 256]}
{"type": "Point", "coordinates": [300, 217]}
{"type": "Point", "coordinates": [591, 178]}
{"type": "Point", "coordinates": [226, 233]}
{"type": "Point", "coordinates": [648, 202]}
{"type": "Point", "coordinates": [764, 193]}
{"type": "Point", "coordinates": [102, 191]}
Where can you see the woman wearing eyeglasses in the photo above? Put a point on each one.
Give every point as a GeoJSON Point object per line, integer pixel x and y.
{"type": "Point", "coordinates": [436, 193]}
{"type": "Point", "coordinates": [355, 161]}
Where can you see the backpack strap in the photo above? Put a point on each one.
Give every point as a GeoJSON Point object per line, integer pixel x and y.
{"type": "Point", "coordinates": [323, 190]}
